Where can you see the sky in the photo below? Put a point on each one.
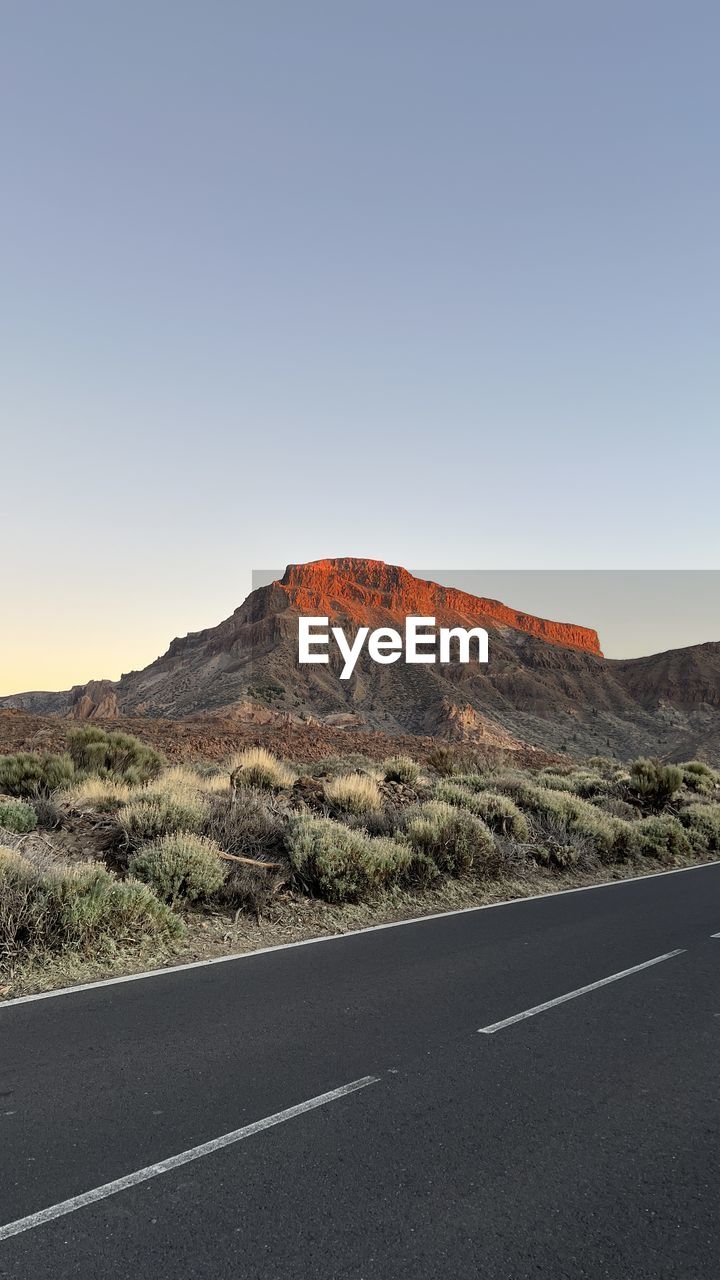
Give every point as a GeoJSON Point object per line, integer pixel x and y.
{"type": "Point", "coordinates": [434, 284]}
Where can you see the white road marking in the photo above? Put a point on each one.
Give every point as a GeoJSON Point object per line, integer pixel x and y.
{"type": "Point", "coordinates": [174, 1162]}
{"type": "Point", "coordinates": [571, 995]}
{"type": "Point", "coordinates": [339, 937]}
{"type": "Point", "coordinates": [715, 935]}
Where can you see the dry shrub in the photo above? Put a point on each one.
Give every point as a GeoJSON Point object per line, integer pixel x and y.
{"type": "Point", "coordinates": [101, 795]}
{"type": "Point", "coordinates": [253, 826]}
{"type": "Point", "coordinates": [402, 769]}
{"type": "Point", "coordinates": [251, 889]}
{"type": "Point", "coordinates": [616, 807]}
{"type": "Point", "coordinates": [553, 843]}
{"type": "Point", "coordinates": [467, 758]}
{"type": "Point", "coordinates": [391, 820]}
{"type": "Point", "coordinates": [257, 767]}
{"type": "Point", "coordinates": [216, 783]}
{"type": "Point", "coordinates": [353, 793]}
{"type": "Point", "coordinates": [443, 760]}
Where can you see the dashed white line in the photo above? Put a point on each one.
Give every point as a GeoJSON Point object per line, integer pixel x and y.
{"type": "Point", "coordinates": [174, 1162]}
{"type": "Point", "coordinates": [572, 995]}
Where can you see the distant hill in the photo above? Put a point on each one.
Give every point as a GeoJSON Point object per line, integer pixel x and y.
{"type": "Point", "coordinates": [547, 683]}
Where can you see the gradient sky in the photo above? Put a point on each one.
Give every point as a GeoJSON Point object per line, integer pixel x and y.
{"type": "Point", "coordinates": [433, 283]}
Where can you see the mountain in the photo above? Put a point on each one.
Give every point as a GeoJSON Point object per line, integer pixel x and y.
{"type": "Point", "coordinates": [546, 682]}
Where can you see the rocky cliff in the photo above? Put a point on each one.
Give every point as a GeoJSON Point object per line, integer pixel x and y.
{"type": "Point", "coordinates": [546, 683]}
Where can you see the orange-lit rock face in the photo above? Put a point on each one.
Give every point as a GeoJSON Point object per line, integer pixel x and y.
{"type": "Point", "coordinates": [372, 593]}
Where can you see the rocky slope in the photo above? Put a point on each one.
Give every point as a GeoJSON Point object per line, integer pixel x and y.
{"type": "Point", "coordinates": [546, 683]}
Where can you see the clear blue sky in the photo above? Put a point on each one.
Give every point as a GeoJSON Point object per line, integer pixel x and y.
{"type": "Point", "coordinates": [434, 283]}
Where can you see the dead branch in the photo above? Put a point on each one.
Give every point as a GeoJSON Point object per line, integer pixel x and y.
{"type": "Point", "coordinates": [251, 862]}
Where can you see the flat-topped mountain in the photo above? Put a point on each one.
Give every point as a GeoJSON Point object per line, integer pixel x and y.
{"type": "Point", "coordinates": [372, 593]}
{"type": "Point", "coordinates": [546, 682]}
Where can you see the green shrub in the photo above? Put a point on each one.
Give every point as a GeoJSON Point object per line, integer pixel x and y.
{"type": "Point", "coordinates": [21, 913]}
{"type": "Point", "coordinates": [17, 816]}
{"type": "Point", "coordinates": [653, 784]}
{"type": "Point", "coordinates": [162, 810]}
{"type": "Point", "coordinates": [581, 782]}
{"type": "Point", "coordinates": [331, 766]}
{"type": "Point", "coordinates": [502, 780]}
{"type": "Point", "coordinates": [353, 793]}
{"type": "Point", "coordinates": [698, 776]}
{"type": "Point", "coordinates": [587, 784]}
{"type": "Point", "coordinates": [454, 839]}
{"type": "Point", "coordinates": [340, 864]}
{"type": "Point", "coordinates": [327, 858]}
{"type": "Point", "coordinates": [402, 769]}
{"type": "Point", "coordinates": [29, 773]}
{"type": "Point", "coordinates": [702, 822]}
{"type": "Point", "coordinates": [83, 908]}
{"type": "Point", "coordinates": [660, 837]}
{"type": "Point", "coordinates": [556, 781]}
{"type": "Point", "coordinates": [94, 908]}
{"type": "Point", "coordinates": [499, 812]}
{"type": "Point", "coordinates": [473, 781]}
{"type": "Point", "coordinates": [611, 837]}
{"type": "Point", "coordinates": [113, 755]}
{"type": "Point", "coordinates": [606, 767]}
{"type": "Point", "coordinates": [388, 861]}
{"type": "Point", "coordinates": [180, 867]}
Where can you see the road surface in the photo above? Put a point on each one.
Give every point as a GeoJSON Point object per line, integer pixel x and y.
{"type": "Point", "coordinates": [466, 1096]}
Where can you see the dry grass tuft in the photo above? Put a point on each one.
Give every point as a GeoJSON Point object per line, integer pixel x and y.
{"type": "Point", "coordinates": [101, 795]}
{"type": "Point", "coordinates": [354, 793]}
{"type": "Point", "coordinates": [257, 767]}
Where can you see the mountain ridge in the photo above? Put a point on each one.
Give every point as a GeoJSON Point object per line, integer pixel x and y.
{"type": "Point", "coordinates": [547, 683]}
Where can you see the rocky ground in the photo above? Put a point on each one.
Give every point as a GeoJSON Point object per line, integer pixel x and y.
{"type": "Point", "coordinates": [215, 737]}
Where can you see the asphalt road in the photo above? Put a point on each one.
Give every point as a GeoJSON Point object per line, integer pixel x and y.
{"type": "Point", "coordinates": [578, 1141]}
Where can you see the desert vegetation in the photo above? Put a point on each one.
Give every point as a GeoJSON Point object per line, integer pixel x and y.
{"type": "Point", "coordinates": [105, 851]}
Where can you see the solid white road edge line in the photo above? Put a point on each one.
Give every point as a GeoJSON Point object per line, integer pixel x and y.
{"type": "Point", "coordinates": [581, 991]}
{"type": "Point", "coordinates": [339, 937]}
{"type": "Point", "coordinates": [174, 1162]}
